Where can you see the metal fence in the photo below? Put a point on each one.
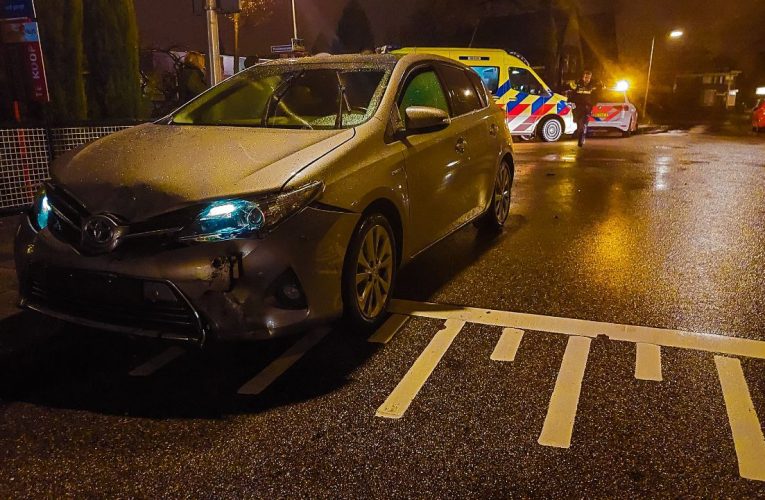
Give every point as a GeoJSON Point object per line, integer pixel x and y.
{"type": "Point", "coordinates": [25, 154]}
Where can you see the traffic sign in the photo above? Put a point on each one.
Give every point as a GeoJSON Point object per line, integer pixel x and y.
{"type": "Point", "coordinates": [15, 9]}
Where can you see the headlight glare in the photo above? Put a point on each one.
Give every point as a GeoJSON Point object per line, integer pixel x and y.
{"type": "Point", "coordinates": [240, 218]}
{"type": "Point", "coordinates": [40, 211]}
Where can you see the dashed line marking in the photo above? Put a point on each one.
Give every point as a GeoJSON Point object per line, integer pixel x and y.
{"type": "Point", "coordinates": [391, 327]}
{"type": "Point", "coordinates": [159, 361]}
{"type": "Point", "coordinates": [402, 396]}
{"type": "Point", "coordinates": [559, 422]}
{"type": "Point", "coordinates": [721, 344]}
{"type": "Point", "coordinates": [273, 371]}
{"type": "Point", "coordinates": [648, 362]}
{"type": "Point", "coordinates": [508, 344]}
{"type": "Point", "coordinates": [744, 424]}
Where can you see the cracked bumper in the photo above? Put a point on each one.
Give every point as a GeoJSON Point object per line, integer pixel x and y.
{"type": "Point", "coordinates": [232, 287]}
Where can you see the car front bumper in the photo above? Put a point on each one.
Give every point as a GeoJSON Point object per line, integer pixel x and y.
{"type": "Point", "coordinates": [232, 290]}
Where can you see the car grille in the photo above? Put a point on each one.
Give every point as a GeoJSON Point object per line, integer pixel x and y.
{"type": "Point", "coordinates": [114, 300]}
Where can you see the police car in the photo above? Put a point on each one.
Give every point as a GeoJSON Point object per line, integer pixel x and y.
{"type": "Point", "coordinates": [532, 108]}
{"type": "Point", "coordinates": [614, 111]}
{"type": "Point", "coordinates": [758, 115]}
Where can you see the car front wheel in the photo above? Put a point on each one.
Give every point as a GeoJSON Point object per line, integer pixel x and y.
{"type": "Point", "coordinates": [369, 273]}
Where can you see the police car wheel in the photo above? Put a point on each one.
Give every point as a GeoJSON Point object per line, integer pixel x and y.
{"type": "Point", "coordinates": [551, 130]}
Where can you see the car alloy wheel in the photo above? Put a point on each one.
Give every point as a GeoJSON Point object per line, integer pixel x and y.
{"type": "Point", "coordinates": [494, 219]}
{"type": "Point", "coordinates": [551, 130]}
{"type": "Point", "coordinates": [501, 202]}
{"type": "Point", "coordinates": [370, 272]}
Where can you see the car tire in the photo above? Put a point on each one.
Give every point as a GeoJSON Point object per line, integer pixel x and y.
{"type": "Point", "coordinates": [370, 263]}
{"type": "Point", "coordinates": [550, 130]}
{"type": "Point", "coordinates": [495, 217]}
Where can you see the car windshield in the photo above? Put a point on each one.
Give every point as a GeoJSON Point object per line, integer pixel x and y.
{"type": "Point", "coordinates": [290, 96]}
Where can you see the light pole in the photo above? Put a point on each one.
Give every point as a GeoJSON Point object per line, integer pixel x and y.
{"type": "Point", "coordinates": [294, 21]}
{"type": "Point", "coordinates": [213, 42]}
{"type": "Point", "coordinates": [674, 35]}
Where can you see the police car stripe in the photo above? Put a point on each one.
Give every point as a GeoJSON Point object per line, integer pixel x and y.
{"type": "Point", "coordinates": [538, 103]}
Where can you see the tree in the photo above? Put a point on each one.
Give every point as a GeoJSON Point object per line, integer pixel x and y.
{"type": "Point", "coordinates": [60, 24]}
{"type": "Point", "coordinates": [111, 46]}
{"type": "Point", "coordinates": [253, 13]}
{"type": "Point", "coordinates": [354, 31]}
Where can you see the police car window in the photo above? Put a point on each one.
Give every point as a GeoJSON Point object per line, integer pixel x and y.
{"type": "Point", "coordinates": [423, 89]}
{"type": "Point", "coordinates": [489, 75]}
{"type": "Point", "coordinates": [462, 92]}
{"type": "Point", "coordinates": [522, 80]}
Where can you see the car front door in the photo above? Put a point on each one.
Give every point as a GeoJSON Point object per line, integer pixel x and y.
{"type": "Point", "coordinates": [475, 122]}
{"type": "Point", "coordinates": [433, 158]}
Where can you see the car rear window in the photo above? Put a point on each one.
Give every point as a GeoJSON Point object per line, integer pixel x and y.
{"type": "Point", "coordinates": [463, 94]}
{"type": "Point", "coordinates": [612, 96]}
{"type": "Point", "coordinates": [489, 75]}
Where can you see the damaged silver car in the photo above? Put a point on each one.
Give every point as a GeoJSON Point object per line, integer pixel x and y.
{"type": "Point", "coordinates": [287, 195]}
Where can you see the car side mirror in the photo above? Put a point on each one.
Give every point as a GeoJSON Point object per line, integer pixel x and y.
{"type": "Point", "coordinates": [421, 119]}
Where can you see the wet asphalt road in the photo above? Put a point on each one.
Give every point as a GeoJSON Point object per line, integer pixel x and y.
{"type": "Point", "coordinates": [664, 231]}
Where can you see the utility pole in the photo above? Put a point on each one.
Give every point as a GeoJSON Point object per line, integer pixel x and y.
{"type": "Point", "coordinates": [213, 42]}
{"type": "Point", "coordinates": [294, 21]}
{"type": "Point", "coordinates": [648, 80]}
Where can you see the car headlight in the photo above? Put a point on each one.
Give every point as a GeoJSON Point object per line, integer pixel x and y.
{"type": "Point", "coordinates": [244, 218]}
{"type": "Point", "coordinates": [40, 211]}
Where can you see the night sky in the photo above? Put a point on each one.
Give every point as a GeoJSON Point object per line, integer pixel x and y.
{"type": "Point", "coordinates": [724, 27]}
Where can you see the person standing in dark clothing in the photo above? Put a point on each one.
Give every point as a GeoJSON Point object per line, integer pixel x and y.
{"type": "Point", "coordinates": [584, 95]}
{"type": "Point", "coordinates": [192, 77]}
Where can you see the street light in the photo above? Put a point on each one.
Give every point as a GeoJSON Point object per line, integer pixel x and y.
{"type": "Point", "coordinates": [674, 35]}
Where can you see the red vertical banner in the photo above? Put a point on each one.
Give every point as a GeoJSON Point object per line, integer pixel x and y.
{"type": "Point", "coordinates": [19, 32]}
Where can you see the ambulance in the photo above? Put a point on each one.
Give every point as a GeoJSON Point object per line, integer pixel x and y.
{"type": "Point", "coordinates": [533, 110]}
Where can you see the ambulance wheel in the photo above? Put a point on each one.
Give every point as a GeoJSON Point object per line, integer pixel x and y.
{"type": "Point", "coordinates": [550, 130]}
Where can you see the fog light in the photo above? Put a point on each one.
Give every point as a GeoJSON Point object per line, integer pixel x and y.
{"type": "Point", "coordinates": [287, 291]}
{"type": "Point", "coordinates": [292, 292]}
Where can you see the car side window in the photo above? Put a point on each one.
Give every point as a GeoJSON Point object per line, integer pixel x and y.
{"type": "Point", "coordinates": [522, 80]}
{"type": "Point", "coordinates": [423, 89]}
{"type": "Point", "coordinates": [480, 87]}
{"type": "Point", "coordinates": [462, 92]}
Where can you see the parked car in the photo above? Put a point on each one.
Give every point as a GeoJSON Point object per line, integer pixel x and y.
{"type": "Point", "coordinates": [758, 116]}
{"type": "Point", "coordinates": [287, 195]}
{"type": "Point", "coordinates": [614, 111]}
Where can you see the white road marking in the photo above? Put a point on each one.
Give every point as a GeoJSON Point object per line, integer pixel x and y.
{"type": "Point", "coordinates": [392, 325]}
{"type": "Point", "coordinates": [508, 344]}
{"type": "Point", "coordinates": [744, 424]}
{"type": "Point", "coordinates": [559, 422]}
{"type": "Point", "coordinates": [162, 359]}
{"type": "Point", "coordinates": [648, 362]}
{"type": "Point", "coordinates": [273, 371]}
{"type": "Point", "coordinates": [402, 396]}
{"type": "Point", "coordinates": [733, 346]}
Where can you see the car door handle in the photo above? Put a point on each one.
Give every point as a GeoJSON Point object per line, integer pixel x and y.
{"type": "Point", "coordinates": [460, 146]}
{"type": "Point", "coordinates": [493, 130]}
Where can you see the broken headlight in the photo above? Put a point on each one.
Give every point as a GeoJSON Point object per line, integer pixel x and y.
{"type": "Point", "coordinates": [244, 218]}
{"type": "Point", "coordinates": [40, 211]}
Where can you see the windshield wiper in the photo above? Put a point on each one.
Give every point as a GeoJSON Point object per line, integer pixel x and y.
{"type": "Point", "coordinates": [275, 98]}
{"type": "Point", "coordinates": [342, 98]}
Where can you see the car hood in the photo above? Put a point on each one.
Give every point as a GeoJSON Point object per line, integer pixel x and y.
{"type": "Point", "coordinates": [150, 169]}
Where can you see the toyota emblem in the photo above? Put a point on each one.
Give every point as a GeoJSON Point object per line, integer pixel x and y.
{"type": "Point", "coordinates": [100, 231]}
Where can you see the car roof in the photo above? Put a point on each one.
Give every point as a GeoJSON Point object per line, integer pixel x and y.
{"type": "Point", "coordinates": [381, 59]}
